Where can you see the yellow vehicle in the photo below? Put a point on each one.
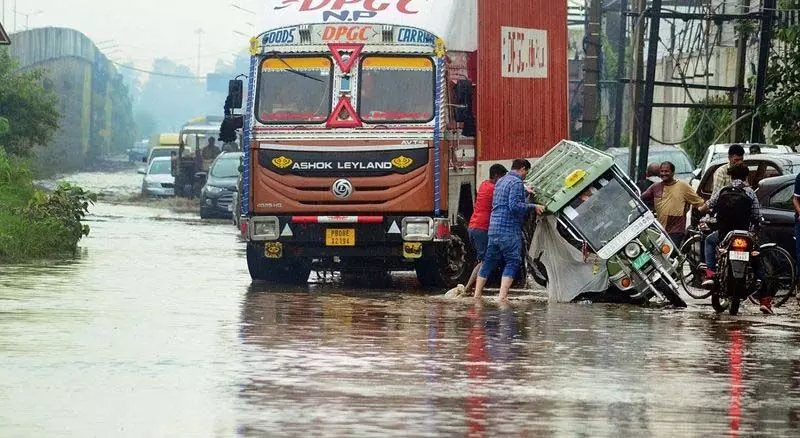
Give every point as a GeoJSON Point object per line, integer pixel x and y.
{"type": "Point", "coordinates": [163, 146]}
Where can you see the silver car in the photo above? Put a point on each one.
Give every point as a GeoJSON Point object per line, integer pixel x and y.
{"type": "Point", "coordinates": [158, 179]}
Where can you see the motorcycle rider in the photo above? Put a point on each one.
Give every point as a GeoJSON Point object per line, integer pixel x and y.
{"type": "Point", "coordinates": [737, 208]}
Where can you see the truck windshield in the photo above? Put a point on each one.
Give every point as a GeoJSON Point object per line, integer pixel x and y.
{"type": "Point", "coordinates": [396, 89]}
{"type": "Point", "coordinates": [294, 90]}
{"type": "Point", "coordinates": [603, 211]}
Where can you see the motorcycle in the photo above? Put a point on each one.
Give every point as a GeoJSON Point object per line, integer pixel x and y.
{"type": "Point", "coordinates": [737, 256]}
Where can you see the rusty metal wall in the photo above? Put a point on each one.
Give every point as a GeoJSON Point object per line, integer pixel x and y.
{"type": "Point", "coordinates": [521, 116]}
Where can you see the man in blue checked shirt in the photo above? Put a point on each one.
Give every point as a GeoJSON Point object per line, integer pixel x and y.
{"type": "Point", "coordinates": [509, 210]}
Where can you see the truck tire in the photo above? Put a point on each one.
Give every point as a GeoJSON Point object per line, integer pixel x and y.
{"type": "Point", "coordinates": [285, 271]}
{"type": "Point", "coordinates": [447, 264]}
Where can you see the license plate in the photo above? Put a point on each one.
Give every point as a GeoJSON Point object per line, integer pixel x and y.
{"type": "Point", "coordinates": [641, 260]}
{"type": "Point", "coordinates": [340, 237]}
{"type": "Point", "coordinates": [742, 256]}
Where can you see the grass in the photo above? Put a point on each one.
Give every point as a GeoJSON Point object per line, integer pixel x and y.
{"type": "Point", "coordinates": [27, 234]}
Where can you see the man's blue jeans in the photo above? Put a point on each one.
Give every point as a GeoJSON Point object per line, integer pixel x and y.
{"type": "Point", "coordinates": [712, 241]}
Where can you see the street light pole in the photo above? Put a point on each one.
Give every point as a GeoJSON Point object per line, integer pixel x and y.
{"type": "Point", "coordinates": [199, 33]}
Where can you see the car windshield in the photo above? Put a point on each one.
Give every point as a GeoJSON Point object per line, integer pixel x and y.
{"type": "Point", "coordinates": [603, 211]}
{"type": "Point", "coordinates": [160, 167]}
{"type": "Point", "coordinates": [294, 90]}
{"type": "Point", "coordinates": [396, 89]}
{"type": "Point", "coordinates": [226, 167]}
{"type": "Point", "coordinates": [676, 157]}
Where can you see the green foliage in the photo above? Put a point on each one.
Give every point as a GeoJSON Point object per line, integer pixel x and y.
{"type": "Point", "coordinates": [705, 125]}
{"type": "Point", "coordinates": [35, 224]}
{"type": "Point", "coordinates": [781, 108]}
{"type": "Point", "coordinates": [29, 108]}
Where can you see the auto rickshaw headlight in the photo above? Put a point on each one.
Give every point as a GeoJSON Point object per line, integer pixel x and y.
{"type": "Point", "coordinates": [632, 250]}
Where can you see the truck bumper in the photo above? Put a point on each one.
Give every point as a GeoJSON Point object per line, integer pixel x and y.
{"type": "Point", "coordinates": [388, 237]}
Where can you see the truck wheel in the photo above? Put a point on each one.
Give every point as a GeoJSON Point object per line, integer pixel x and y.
{"type": "Point", "coordinates": [256, 263]}
{"type": "Point", "coordinates": [287, 271]}
{"type": "Point", "coordinates": [447, 264]}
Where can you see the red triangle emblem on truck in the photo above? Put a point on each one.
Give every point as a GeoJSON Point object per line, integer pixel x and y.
{"type": "Point", "coordinates": [340, 50]}
{"type": "Point", "coordinates": [4, 39]}
{"type": "Point", "coordinates": [344, 116]}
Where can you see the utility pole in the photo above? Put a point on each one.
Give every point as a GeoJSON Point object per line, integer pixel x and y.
{"type": "Point", "coordinates": [649, 87]}
{"type": "Point", "coordinates": [741, 61]}
{"type": "Point", "coordinates": [635, 109]}
{"type": "Point", "coordinates": [618, 109]}
{"type": "Point", "coordinates": [591, 71]}
{"type": "Point", "coordinates": [199, 33]}
{"type": "Point", "coordinates": [764, 46]}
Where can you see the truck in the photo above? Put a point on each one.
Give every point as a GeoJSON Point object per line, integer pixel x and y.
{"type": "Point", "coordinates": [368, 124]}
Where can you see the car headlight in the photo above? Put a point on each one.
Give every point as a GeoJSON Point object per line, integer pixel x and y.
{"type": "Point", "coordinates": [153, 185]}
{"type": "Point", "coordinates": [632, 250]}
{"type": "Point", "coordinates": [214, 190]}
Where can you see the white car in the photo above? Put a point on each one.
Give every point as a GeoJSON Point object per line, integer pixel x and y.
{"type": "Point", "coordinates": [158, 179]}
{"type": "Point", "coordinates": [718, 151]}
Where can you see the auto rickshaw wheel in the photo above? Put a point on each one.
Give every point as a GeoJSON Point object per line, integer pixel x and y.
{"type": "Point", "coordinates": [670, 294]}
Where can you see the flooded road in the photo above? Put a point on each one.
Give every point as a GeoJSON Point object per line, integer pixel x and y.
{"type": "Point", "coordinates": [155, 329]}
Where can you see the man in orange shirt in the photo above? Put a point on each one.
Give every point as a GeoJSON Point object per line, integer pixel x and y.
{"type": "Point", "coordinates": [479, 222]}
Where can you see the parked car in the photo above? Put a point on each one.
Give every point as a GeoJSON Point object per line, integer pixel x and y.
{"type": "Point", "coordinates": [761, 167]}
{"type": "Point", "coordinates": [775, 196]}
{"type": "Point", "coordinates": [217, 196]}
{"type": "Point", "coordinates": [657, 154]}
{"type": "Point", "coordinates": [770, 166]}
{"type": "Point", "coordinates": [158, 179]}
{"type": "Point", "coordinates": [719, 151]}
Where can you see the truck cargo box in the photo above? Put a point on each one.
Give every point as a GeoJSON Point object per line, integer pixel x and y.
{"type": "Point", "coordinates": [523, 82]}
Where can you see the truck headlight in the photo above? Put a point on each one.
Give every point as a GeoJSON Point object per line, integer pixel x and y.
{"type": "Point", "coordinates": [264, 228]}
{"type": "Point", "coordinates": [632, 250]}
{"type": "Point", "coordinates": [417, 229]}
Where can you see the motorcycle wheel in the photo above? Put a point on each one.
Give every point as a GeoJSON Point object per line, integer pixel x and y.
{"type": "Point", "coordinates": [737, 289]}
{"type": "Point", "coordinates": [672, 296]}
{"type": "Point", "coordinates": [719, 302]}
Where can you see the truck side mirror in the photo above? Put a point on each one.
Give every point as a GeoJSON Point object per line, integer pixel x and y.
{"type": "Point", "coordinates": [235, 92]}
{"type": "Point", "coordinates": [465, 112]}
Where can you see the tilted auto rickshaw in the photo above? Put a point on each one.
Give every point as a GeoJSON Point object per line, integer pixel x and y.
{"type": "Point", "coordinates": [599, 211]}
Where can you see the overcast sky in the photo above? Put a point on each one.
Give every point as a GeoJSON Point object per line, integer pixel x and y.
{"type": "Point", "coordinates": [142, 30]}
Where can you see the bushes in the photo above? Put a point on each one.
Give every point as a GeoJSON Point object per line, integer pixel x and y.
{"type": "Point", "coordinates": [35, 224]}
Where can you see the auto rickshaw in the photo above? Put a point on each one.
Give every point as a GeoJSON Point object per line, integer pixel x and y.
{"type": "Point", "coordinates": [599, 211]}
{"type": "Point", "coordinates": [190, 168]}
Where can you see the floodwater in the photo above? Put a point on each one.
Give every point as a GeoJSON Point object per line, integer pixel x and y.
{"type": "Point", "coordinates": [155, 329]}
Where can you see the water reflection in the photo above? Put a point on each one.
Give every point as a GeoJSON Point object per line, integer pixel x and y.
{"type": "Point", "coordinates": [410, 366]}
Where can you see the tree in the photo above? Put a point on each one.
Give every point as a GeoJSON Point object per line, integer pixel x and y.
{"type": "Point", "coordinates": [29, 107]}
{"type": "Point", "coordinates": [781, 108]}
{"type": "Point", "coordinates": [703, 126]}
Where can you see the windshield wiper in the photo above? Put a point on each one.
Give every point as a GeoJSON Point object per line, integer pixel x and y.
{"type": "Point", "coordinates": [290, 69]}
